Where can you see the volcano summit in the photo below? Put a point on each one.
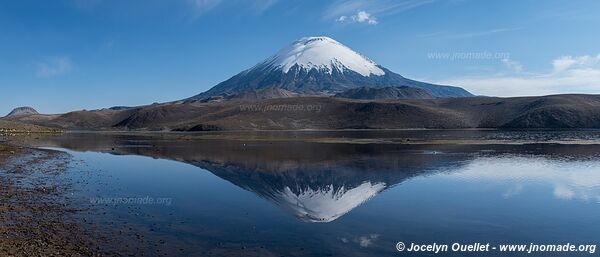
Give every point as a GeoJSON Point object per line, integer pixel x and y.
{"type": "Point", "coordinates": [319, 66]}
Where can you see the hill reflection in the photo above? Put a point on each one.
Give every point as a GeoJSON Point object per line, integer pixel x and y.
{"type": "Point", "coordinates": [314, 182]}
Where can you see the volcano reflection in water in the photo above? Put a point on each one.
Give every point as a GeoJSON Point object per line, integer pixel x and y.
{"type": "Point", "coordinates": [314, 182]}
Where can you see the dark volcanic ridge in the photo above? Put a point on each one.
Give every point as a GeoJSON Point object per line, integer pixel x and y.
{"type": "Point", "coordinates": [253, 94]}
{"type": "Point", "coordinates": [385, 93]}
{"type": "Point", "coordinates": [327, 113]}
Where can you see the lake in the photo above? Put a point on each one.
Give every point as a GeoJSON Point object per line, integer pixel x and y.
{"type": "Point", "coordinates": [167, 195]}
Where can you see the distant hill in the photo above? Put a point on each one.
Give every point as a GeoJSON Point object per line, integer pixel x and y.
{"type": "Point", "coordinates": [556, 111]}
{"type": "Point", "coordinates": [385, 93]}
{"type": "Point", "coordinates": [7, 126]}
{"type": "Point", "coordinates": [21, 111]}
{"type": "Point", "coordinates": [318, 66]}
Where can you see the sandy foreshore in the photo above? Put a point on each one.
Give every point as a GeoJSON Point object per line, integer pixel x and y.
{"type": "Point", "coordinates": [35, 211]}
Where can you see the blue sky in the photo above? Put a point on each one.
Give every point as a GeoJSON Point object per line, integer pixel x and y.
{"type": "Point", "coordinates": [65, 55]}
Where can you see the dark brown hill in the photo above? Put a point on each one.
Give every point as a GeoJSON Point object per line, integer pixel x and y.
{"type": "Point", "coordinates": [385, 93]}
{"type": "Point", "coordinates": [292, 113]}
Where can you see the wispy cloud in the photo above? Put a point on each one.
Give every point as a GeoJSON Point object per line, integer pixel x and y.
{"type": "Point", "coordinates": [262, 5]}
{"type": "Point", "coordinates": [368, 10]}
{"type": "Point", "coordinates": [54, 66]}
{"type": "Point", "coordinates": [108, 44]}
{"type": "Point", "coordinates": [360, 17]}
{"type": "Point", "coordinates": [342, 19]}
{"type": "Point", "coordinates": [463, 35]}
{"type": "Point", "coordinates": [567, 62]}
{"type": "Point", "coordinates": [512, 64]}
{"type": "Point", "coordinates": [569, 74]}
{"type": "Point", "coordinates": [202, 6]}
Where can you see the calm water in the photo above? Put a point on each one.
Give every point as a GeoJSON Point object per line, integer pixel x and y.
{"type": "Point", "coordinates": [219, 198]}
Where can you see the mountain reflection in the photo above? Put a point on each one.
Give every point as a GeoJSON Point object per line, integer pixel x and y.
{"type": "Point", "coordinates": [322, 191]}
{"type": "Point", "coordinates": [315, 182]}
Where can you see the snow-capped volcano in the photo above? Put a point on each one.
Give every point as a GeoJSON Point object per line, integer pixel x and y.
{"type": "Point", "coordinates": [318, 66]}
{"type": "Point", "coordinates": [323, 54]}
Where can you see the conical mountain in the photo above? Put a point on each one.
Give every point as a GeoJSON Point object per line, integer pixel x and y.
{"type": "Point", "coordinates": [319, 66]}
{"type": "Point", "coordinates": [22, 111]}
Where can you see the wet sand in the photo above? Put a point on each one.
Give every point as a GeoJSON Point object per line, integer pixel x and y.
{"type": "Point", "coordinates": [35, 211]}
{"type": "Point", "coordinates": [41, 214]}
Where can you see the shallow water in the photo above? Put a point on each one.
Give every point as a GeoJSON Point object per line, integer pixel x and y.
{"type": "Point", "coordinates": [215, 198]}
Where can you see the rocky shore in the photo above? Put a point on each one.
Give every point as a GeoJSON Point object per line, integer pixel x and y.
{"type": "Point", "coordinates": [35, 211]}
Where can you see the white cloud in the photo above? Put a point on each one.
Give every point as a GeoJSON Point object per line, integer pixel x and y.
{"type": "Point", "coordinates": [580, 74]}
{"type": "Point", "coordinates": [360, 17]}
{"type": "Point", "coordinates": [513, 65]}
{"type": "Point", "coordinates": [341, 10]}
{"type": "Point", "coordinates": [54, 67]}
{"type": "Point", "coordinates": [363, 16]}
{"type": "Point", "coordinates": [563, 63]}
{"type": "Point", "coordinates": [566, 62]}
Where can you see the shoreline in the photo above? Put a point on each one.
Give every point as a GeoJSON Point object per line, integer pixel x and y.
{"type": "Point", "coordinates": [394, 137]}
{"type": "Point", "coordinates": [43, 213]}
{"type": "Point", "coordinates": [36, 215]}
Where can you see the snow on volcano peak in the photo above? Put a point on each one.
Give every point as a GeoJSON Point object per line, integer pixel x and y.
{"type": "Point", "coordinates": [319, 66]}
{"type": "Point", "coordinates": [323, 53]}
{"type": "Point", "coordinates": [328, 203]}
